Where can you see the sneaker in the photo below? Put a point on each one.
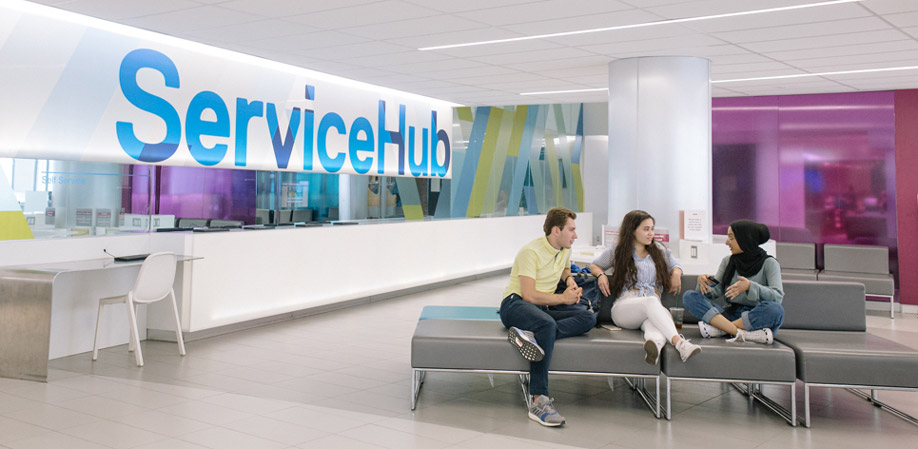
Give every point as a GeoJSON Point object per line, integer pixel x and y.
{"type": "Point", "coordinates": [686, 348]}
{"type": "Point", "coordinates": [525, 342]}
{"type": "Point", "coordinates": [651, 352]}
{"type": "Point", "coordinates": [708, 331]}
{"type": "Point", "coordinates": [763, 336]}
{"type": "Point", "coordinates": [543, 412]}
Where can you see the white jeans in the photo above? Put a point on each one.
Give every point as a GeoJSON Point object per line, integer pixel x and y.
{"type": "Point", "coordinates": [646, 313]}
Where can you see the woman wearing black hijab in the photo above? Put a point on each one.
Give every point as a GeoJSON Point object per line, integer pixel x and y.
{"type": "Point", "coordinates": [749, 281]}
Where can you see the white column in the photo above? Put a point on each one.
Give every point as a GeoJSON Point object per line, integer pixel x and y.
{"type": "Point", "coordinates": [660, 139]}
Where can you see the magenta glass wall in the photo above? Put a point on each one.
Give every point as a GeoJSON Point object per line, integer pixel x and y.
{"type": "Point", "coordinates": [815, 168]}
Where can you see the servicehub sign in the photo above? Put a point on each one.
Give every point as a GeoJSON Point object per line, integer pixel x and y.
{"type": "Point", "coordinates": [76, 88]}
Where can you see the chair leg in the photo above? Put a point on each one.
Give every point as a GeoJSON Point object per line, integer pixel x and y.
{"type": "Point", "coordinates": [178, 326]}
{"type": "Point", "coordinates": [131, 331]}
{"type": "Point", "coordinates": [95, 340]}
{"type": "Point", "coordinates": [135, 335]}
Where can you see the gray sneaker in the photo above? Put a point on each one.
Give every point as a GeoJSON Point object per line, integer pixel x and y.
{"type": "Point", "coordinates": [763, 336]}
{"type": "Point", "coordinates": [544, 413]}
{"type": "Point", "coordinates": [525, 342]}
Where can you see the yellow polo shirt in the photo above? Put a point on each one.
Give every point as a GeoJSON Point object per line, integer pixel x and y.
{"type": "Point", "coordinates": [540, 261]}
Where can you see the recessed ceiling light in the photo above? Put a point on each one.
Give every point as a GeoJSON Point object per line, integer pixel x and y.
{"type": "Point", "coordinates": [804, 75]}
{"type": "Point", "coordinates": [638, 25]}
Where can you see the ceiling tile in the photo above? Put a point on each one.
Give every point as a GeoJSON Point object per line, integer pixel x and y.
{"type": "Point", "coordinates": [902, 20]}
{"type": "Point", "coordinates": [846, 50]}
{"type": "Point", "coordinates": [250, 31]}
{"type": "Point", "coordinates": [804, 30]}
{"type": "Point", "coordinates": [287, 8]}
{"type": "Point", "coordinates": [119, 9]}
{"type": "Point", "coordinates": [541, 11]}
{"type": "Point", "coordinates": [825, 41]}
{"type": "Point", "coordinates": [890, 6]}
{"type": "Point", "coordinates": [389, 12]}
{"type": "Point", "coordinates": [188, 21]}
{"type": "Point", "coordinates": [416, 27]}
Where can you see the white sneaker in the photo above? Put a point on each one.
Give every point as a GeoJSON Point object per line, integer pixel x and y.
{"type": "Point", "coordinates": [763, 336]}
{"type": "Point", "coordinates": [708, 331]}
{"type": "Point", "coordinates": [686, 348]}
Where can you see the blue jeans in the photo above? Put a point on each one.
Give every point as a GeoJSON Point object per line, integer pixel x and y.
{"type": "Point", "coordinates": [548, 326]}
{"type": "Point", "coordinates": [767, 314]}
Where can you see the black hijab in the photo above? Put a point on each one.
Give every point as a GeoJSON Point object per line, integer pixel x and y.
{"type": "Point", "coordinates": [748, 235]}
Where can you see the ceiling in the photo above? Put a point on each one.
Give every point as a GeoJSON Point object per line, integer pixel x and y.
{"type": "Point", "coordinates": [377, 41]}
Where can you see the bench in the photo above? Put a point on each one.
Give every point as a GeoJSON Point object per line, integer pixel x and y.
{"type": "Point", "coordinates": [460, 344]}
{"type": "Point", "coordinates": [827, 332]}
{"type": "Point", "coordinates": [798, 261]}
{"type": "Point", "coordinates": [868, 265]}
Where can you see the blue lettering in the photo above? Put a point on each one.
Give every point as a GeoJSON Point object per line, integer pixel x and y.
{"type": "Point", "coordinates": [417, 169]}
{"type": "Point", "coordinates": [391, 137]}
{"type": "Point", "coordinates": [357, 143]}
{"type": "Point", "coordinates": [309, 125]}
{"type": "Point", "coordinates": [244, 112]}
{"type": "Point", "coordinates": [331, 120]}
{"type": "Point", "coordinates": [435, 139]}
{"type": "Point", "coordinates": [282, 146]}
{"type": "Point", "coordinates": [134, 147]}
{"type": "Point", "coordinates": [195, 127]}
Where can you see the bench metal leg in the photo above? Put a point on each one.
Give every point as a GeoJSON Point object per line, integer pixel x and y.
{"type": "Point", "coordinates": [806, 404]}
{"type": "Point", "coordinates": [524, 384]}
{"type": "Point", "coordinates": [872, 398]}
{"type": "Point", "coordinates": [417, 378]}
{"type": "Point", "coordinates": [491, 379]}
{"type": "Point", "coordinates": [754, 391]}
{"type": "Point", "coordinates": [611, 381]}
{"type": "Point", "coordinates": [669, 403]}
{"type": "Point", "coordinates": [639, 385]}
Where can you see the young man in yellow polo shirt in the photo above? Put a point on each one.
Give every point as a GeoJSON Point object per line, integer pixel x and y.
{"type": "Point", "coordinates": [538, 269]}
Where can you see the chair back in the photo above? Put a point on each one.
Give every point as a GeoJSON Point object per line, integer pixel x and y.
{"type": "Point", "coordinates": [157, 274]}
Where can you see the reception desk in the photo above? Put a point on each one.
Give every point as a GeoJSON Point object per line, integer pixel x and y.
{"type": "Point", "coordinates": [245, 277]}
{"type": "Point", "coordinates": [49, 311]}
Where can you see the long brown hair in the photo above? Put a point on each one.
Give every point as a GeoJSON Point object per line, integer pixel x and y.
{"type": "Point", "coordinates": [624, 272]}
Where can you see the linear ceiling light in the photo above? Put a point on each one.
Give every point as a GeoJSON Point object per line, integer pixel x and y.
{"type": "Point", "coordinates": [804, 75]}
{"type": "Point", "coordinates": [552, 92]}
{"type": "Point", "coordinates": [638, 25]}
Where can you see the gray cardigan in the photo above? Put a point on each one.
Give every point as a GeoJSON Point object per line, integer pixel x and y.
{"type": "Point", "coordinates": [763, 286]}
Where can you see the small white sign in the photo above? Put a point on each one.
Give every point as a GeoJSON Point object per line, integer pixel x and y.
{"type": "Point", "coordinates": [693, 226]}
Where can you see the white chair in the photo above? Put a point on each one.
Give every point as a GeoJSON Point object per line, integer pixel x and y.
{"type": "Point", "coordinates": [154, 282]}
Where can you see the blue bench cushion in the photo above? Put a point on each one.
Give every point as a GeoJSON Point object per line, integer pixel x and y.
{"type": "Point", "coordinates": [459, 313]}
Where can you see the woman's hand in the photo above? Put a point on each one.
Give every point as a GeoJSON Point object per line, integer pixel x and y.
{"type": "Point", "coordinates": [741, 285]}
{"type": "Point", "coordinates": [703, 284]}
{"type": "Point", "coordinates": [675, 282]}
{"type": "Point", "coordinates": [603, 282]}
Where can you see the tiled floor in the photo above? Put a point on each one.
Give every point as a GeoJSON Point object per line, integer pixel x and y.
{"type": "Point", "coordinates": [342, 380]}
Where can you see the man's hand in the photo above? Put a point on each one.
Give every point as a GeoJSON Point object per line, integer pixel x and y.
{"type": "Point", "coordinates": [571, 295]}
{"type": "Point", "coordinates": [741, 285]}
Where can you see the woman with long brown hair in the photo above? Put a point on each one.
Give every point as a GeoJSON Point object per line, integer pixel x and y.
{"type": "Point", "coordinates": [642, 269]}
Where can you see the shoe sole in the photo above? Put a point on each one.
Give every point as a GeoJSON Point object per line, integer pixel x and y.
{"type": "Point", "coordinates": [527, 349]}
{"type": "Point", "coordinates": [651, 352]}
{"type": "Point", "coordinates": [546, 424]}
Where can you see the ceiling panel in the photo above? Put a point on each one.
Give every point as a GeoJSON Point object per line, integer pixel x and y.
{"type": "Point", "coordinates": [377, 41]}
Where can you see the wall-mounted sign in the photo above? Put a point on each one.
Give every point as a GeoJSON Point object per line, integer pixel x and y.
{"type": "Point", "coordinates": [78, 88]}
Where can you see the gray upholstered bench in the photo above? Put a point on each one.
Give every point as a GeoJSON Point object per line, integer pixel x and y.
{"type": "Point", "coordinates": [798, 261]}
{"type": "Point", "coordinates": [868, 265]}
{"type": "Point", "coordinates": [826, 330]}
{"type": "Point", "coordinates": [481, 347]}
{"type": "Point", "coordinates": [746, 365]}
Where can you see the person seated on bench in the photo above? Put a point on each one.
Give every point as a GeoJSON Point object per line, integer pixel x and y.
{"type": "Point", "coordinates": [749, 281]}
{"type": "Point", "coordinates": [642, 269]}
{"type": "Point", "coordinates": [536, 272]}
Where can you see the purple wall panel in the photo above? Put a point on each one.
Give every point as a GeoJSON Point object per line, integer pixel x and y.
{"type": "Point", "coordinates": [191, 192]}
{"type": "Point", "coordinates": [815, 168]}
